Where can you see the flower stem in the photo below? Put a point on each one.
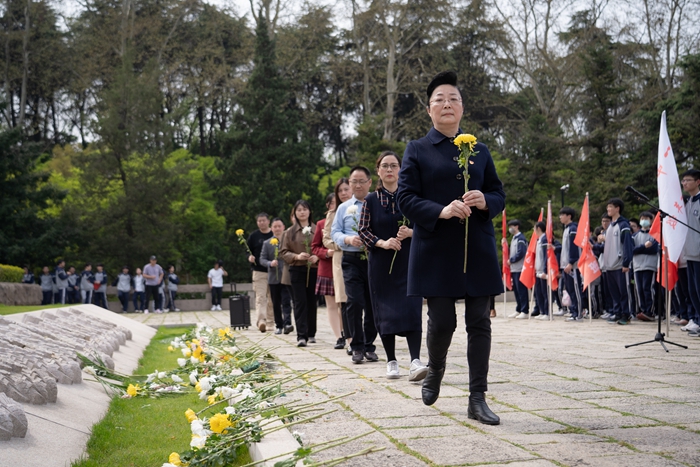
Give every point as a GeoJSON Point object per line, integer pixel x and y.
{"type": "Point", "coordinates": [466, 220]}
{"type": "Point", "coordinates": [392, 261]}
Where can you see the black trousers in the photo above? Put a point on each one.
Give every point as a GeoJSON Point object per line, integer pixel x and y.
{"type": "Point", "coordinates": [152, 290]}
{"type": "Point", "coordinates": [304, 300]}
{"type": "Point", "coordinates": [276, 297]}
{"type": "Point", "coordinates": [216, 293]}
{"type": "Point", "coordinates": [359, 300]}
{"type": "Point", "coordinates": [442, 322]}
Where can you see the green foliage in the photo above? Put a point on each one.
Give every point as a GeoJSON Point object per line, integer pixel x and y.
{"type": "Point", "coordinates": [10, 273]}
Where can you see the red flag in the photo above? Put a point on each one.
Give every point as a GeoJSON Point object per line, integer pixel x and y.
{"type": "Point", "coordinates": [507, 279]}
{"type": "Point", "coordinates": [672, 271]}
{"type": "Point", "coordinates": [655, 230]}
{"type": "Point", "coordinates": [552, 263]}
{"type": "Point", "coordinates": [587, 262]}
{"type": "Point", "coordinates": [527, 275]}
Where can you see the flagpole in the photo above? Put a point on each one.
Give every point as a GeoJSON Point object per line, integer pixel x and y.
{"type": "Point", "coordinates": [590, 308]}
{"type": "Point", "coordinates": [668, 292]}
{"type": "Point", "coordinates": [549, 273]}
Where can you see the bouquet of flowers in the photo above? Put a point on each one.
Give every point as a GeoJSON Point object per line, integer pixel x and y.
{"type": "Point", "coordinates": [465, 142]}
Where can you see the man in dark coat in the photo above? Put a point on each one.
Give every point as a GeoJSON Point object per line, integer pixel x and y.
{"type": "Point", "coordinates": [431, 194]}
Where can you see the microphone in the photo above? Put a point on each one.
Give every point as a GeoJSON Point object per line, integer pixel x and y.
{"type": "Point", "coordinates": [636, 193]}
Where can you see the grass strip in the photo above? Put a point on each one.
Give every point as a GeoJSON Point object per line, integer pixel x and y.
{"type": "Point", "coordinates": [141, 432]}
{"type": "Point", "coordinates": [12, 309]}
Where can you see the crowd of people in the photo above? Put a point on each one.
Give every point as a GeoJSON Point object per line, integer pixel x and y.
{"type": "Point", "coordinates": [628, 256]}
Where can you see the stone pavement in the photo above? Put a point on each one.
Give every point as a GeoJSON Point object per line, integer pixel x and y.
{"type": "Point", "coordinates": [568, 394]}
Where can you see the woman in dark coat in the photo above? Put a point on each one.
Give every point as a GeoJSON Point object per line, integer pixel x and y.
{"type": "Point", "coordinates": [432, 194]}
{"type": "Point", "coordinates": [386, 234]}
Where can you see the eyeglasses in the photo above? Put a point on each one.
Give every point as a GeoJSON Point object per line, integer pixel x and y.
{"type": "Point", "coordinates": [453, 101]}
{"type": "Point", "coordinates": [688, 180]}
{"type": "Point", "coordinates": [358, 182]}
{"type": "Point", "coordinates": [389, 166]}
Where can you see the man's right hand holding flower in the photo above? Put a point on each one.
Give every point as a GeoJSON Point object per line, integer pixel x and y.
{"type": "Point", "coordinates": [353, 240]}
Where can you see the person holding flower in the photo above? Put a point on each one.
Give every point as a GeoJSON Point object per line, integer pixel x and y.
{"type": "Point", "coordinates": [344, 233]}
{"type": "Point", "coordinates": [451, 225]}
{"type": "Point", "coordinates": [270, 258]}
{"type": "Point", "coordinates": [387, 235]}
{"type": "Point", "coordinates": [263, 307]}
{"type": "Point", "coordinates": [296, 251]}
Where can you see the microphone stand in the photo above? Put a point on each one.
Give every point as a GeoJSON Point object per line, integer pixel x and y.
{"type": "Point", "coordinates": [659, 337]}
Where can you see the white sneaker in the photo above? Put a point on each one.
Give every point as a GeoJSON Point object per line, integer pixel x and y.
{"type": "Point", "coordinates": [165, 310]}
{"type": "Point", "coordinates": [514, 315]}
{"type": "Point", "coordinates": [560, 312]}
{"type": "Point", "coordinates": [543, 317]}
{"type": "Point", "coordinates": [159, 311]}
{"type": "Point", "coordinates": [392, 370]}
{"type": "Point", "coordinates": [145, 312]}
{"type": "Point", "coordinates": [176, 309]}
{"type": "Point", "coordinates": [691, 327]}
{"type": "Point", "coordinates": [418, 371]}
{"type": "Point", "coordinates": [213, 308]}
{"type": "Point", "coordinates": [218, 307]}
{"type": "Point", "coordinates": [521, 316]}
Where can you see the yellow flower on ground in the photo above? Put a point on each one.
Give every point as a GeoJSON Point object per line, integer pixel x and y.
{"type": "Point", "coordinates": [171, 348]}
{"type": "Point", "coordinates": [174, 459]}
{"type": "Point", "coordinates": [274, 241]}
{"type": "Point", "coordinates": [198, 354]}
{"type": "Point", "coordinates": [465, 138]}
{"type": "Point", "coordinates": [211, 399]}
{"type": "Point", "coordinates": [188, 353]}
{"type": "Point", "coordinates": [191, 416]}
{"type": "Point", "coordinates": [132, 390]}
{"type": "Point", "coordinates": [219, 422]}
{"type": "Point", "coordinates": [225, 332]}
{"type": "Point", "coordinates": [198, 387]}
{"type": "Point", "coordinates": [239, 232]}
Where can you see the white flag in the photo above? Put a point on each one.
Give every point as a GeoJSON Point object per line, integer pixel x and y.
{"type": "Point", "coordinates": [670, 196]}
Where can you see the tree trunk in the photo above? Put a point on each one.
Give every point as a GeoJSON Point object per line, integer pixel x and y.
{"type": "Point", "coordinates": [25, 65]}
{"type": "Point", "coordinates": [202, 137]}
{"type": "Point", "coordinates": [391, 85]}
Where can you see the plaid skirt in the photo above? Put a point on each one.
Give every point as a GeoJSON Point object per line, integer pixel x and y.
{"type": "Point", "coordinates": [324, 286]}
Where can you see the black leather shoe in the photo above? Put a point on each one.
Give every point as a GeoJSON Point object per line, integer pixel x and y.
{"type": "Point", "coordinates": [357, 356]}
{"type": "Point", "coordinates": [371, 357]}
{"type": "Point", "coordinates": [431, 385]}
{"type": "Point", "coordinates": [288, 328]}
{"type": "Point", "coordinates": [478, 410]}
{"type": "Point", "coordinates": [340, 344]}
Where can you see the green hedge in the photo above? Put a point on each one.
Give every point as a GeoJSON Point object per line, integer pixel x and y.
{"type": "Point", "coordinates": [10, 273]}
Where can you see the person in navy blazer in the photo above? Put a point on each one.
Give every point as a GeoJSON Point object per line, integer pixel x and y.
{"type": "Point", "coordinates": [431, 194]}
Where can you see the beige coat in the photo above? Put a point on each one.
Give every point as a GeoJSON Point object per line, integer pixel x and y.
{"type": "Point", "coordinates": [338, 282]}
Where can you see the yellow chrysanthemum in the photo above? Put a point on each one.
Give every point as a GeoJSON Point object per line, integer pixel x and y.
{"type": "Point", "coordinates": [174, 459]}
{"type": "Point", "coordinates": [274, 241]}
{"type": "Point", "coordinates": [191, 416]}
{"type": "Point", "coordinates": [195, 341]}
{"type": "Point", "coordinates": [239, 232]}
{"type": "Point", "coordinates": [197, 352]}
{"type": "Point", "coordinates": [225, 332]}
{"type": "Point", "coordinates": [211, 399]}
{"type": "Point", "coordinates": [188, 353]}
{"type": "Point", "coordinates": [171, 348]}
{"type": "Point", "coordinates": [465, 138]}
{"type": "Point", "coordinates": [219, 422]}
{"type": "Point", "coordinates": [132, 390]}
{"type": "Point", "coordinates": [198, 387]}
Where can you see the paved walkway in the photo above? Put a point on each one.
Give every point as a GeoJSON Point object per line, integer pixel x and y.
{"type": "Point", "coordinates": [568, 394]}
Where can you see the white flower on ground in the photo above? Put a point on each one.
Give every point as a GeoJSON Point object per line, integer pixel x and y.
{"type": "Point", "coordinates": [186, 352]}
{"type": "Point", "coordinates": [230, 410]}
{"type": "Point", "coordinates": [162, 375]}
{"type": "Point", "coordinates": [89, 370]}
{"type": "Point", "coordinates": [246, 393]}
{"type": "Point", "coordinates": [168, 464]}
{"type": "Point", "coordinates": [205, 383]}
{"type": "Point", "coordinates": [263, 405]}
{"type": "Point", "coordinates": [152, 376]}
{"type": "Point", "coordinates": [197, 428]}
{"type": "Point", "coordinates": [352, 210]}
{"type": "Point", "coordinates": [194, 360]}
{"type": "Point", "coordinates": [236, 372]}
{"type": "Point", "coordinates": [226, 392]}
{"type": "Point", "coordinates": [198, 441]}
{"type": "Point", "coordinates": [193, 377]}
{"type": "Point", "coordinates": [176, 378]}
{"type": "Point", "coordinates": [182, 361]}
{"type": "Point", "coordinates": [203, 395]}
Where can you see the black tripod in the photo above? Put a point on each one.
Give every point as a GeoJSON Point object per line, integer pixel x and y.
{"type": "Point", "coordinates": [659, 337]}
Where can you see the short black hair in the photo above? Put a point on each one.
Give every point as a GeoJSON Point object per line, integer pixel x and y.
{"type": "Point", "coordinates": [361, 168]}
{"type": "Point", "coordinates": [262, 214]}
{"type": "Point", "coordinates": [695, 173]}
{"type": "Point", "coordinates": [568, 211]}
{"type": "Point", "coordinates": [444, 77]}
{"type": "Point", "coordinates": [606, 216]}
{"type": "Point", "coordinates": [275, 220]}
{"type": "Point", "coordinates": [635, 220]}
{"type": "Point", "coordinates": [647, 214]}
{"type": "Point", "coordinates": [514, 222]}
{"type": "Point", "coordinates": [541, 225]}
{"type": "Point", "coordinates": [618, 203]}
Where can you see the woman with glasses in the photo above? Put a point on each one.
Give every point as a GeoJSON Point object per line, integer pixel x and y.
{"type": "Point", "coordinates": [296, 251]}
{"type": "Point", "coordinates": [387, 235]}
{"type": "Point", "coordinates": [432, 194]}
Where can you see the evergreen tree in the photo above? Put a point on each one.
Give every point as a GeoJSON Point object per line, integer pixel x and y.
{"type": "Point", "coordinates": [268, 160]}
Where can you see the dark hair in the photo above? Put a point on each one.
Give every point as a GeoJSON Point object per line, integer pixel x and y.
{"type": "Point", "coordinates": [100, 265]}
{"type": "Point", "coordinates": [647, 214]}
{"type": "Point", "coordinates": [444, 77]}
{"type": "Point", "coordinates": [568, 211]}
{"type": "Point", "coordinates": [541, 225]}
{"type": "Point", "coordinates": [618, 203]}
{"type": "Point", "coordinates": [302, 202]}
{"type": "Point", "coordinates": [695, 173]}
{"type": "Point", "coordinates": [597, 231]}
{"type": "Point", "coordinates": [171, 266]}
{"type": "Point", "coordinates": [262, 214]}
{"type": "Point", "coordinates": [361, 168]}
{"type": "Point", "coordinates": [514, 222]}
{"type": "Point", "coordinates": [87, 264]}
{"type": "Point", "coordinates": [379, 161]}
{"type": "Point", "coordinates": [60, 261]}
{"type": "Point", "coordinates": [329, 198]}
{"type": "Point", "coordinates": [341, 181]}
{"type": "Point", "coordinates": [606, 216]}
{"type": "Point", "coordinates": [635, 220]}
{"type": "Point", "coordinates": [125, 267]}
{"type": "Point", "coordinates": [275, 220]}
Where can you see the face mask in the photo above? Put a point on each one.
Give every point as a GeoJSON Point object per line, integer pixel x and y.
{"type": "Point", "coordinates": [511, 230]}
{"type": "Point", "coordinates": [645, 223]}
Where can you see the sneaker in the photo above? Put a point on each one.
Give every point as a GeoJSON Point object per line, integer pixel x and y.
{"type": "Point", "coordinates": [680, 322]}
{"type": "Point", "coordinates": [392, 370]}
{"type": "Point", "coordinates": [339, 344]}
{"type": "Point", "coordinates": [357, 356]}
{"type": "Point", "coordinates": [312, 340]}
{"type": "Point", "coordinates": [145, 312]}
{"type": "Point", "coordinates": [371, 357]}
{"type": "Point", "coordinates": [521, 316]}
{"type": "Point", "coordinates": [301, 343]}
{"type": "Point", "coordinates": [693, 334]}
{"type": "Point", "coordinates": [165, 310]}
{"type": "Point", "coordinates": [535, 313]}
{"type": "Point", "coordinates": [288, 328]}
{"type": "Point", "coordinates": [605, 315]}
{"type": "Point", "coordinates": [218, 307]}
{"type": "Point", "coordinates": [159, 310]}
{"type": "Point", "coordinates": [543, 317]}
{"type": "Point", "coordinates": [623, 321]}
{"type": "Point", "coordinates": [176, 309]}
{"type": "Point", "coordinates": [514, 315]}
{"type": "Point", "coordinates": [213, 308]}
{"type": "Point", "coordinates": [572, 319]}
{"type": "Point", "coordinates": [559, 312]}
{"type": "Point", "coordinates": [613, 319]}
{"type": "Point", "coordinates": [691, 326]}
{"type": "Point", "coordinates": [278, 331]}
{"type": "Point", "coordinates": [418, 371]}
{"type": "Point", "coordinates": [349, 350]}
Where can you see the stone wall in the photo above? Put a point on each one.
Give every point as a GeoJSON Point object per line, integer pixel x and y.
{"type": "Point", "coordinates": [19, 294]}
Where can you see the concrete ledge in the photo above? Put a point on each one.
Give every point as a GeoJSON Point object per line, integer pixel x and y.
{"type": "Point", "coordinates": [274, 444]}
{"type": "Point", "coordinates": [12, 293]}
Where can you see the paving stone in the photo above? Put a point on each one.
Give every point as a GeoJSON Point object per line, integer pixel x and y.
{"type": "Point", "coordinates": [657, 439]}
{"type": "Point", "coordinates": [472, 449]}
{"type": "Point", "coordinates": [579, 453]}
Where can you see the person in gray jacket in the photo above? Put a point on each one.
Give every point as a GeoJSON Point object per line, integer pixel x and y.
{"type": "Point", "coordinates": [123, 283]}
{"type": "Point", "coordinates": [644, 263]}
{"type": "Point", "coordinates": [101, 290]}
{"type": "Point", "coordinates": [269, 258]}
{"type": "Point", "coordinates": [173, 281]}
{"type": "Point", "coordinates": [61, 279]}
{"type": "Point", "coordinates": [46, 281]}
{"type": "Point", "coordinates": [87, 279]}
{"type": "Point", "coordinates": [73, 294]}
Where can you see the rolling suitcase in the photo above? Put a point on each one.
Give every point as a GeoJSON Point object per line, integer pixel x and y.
{"type": "Point", "coordinates": [239, 309]}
